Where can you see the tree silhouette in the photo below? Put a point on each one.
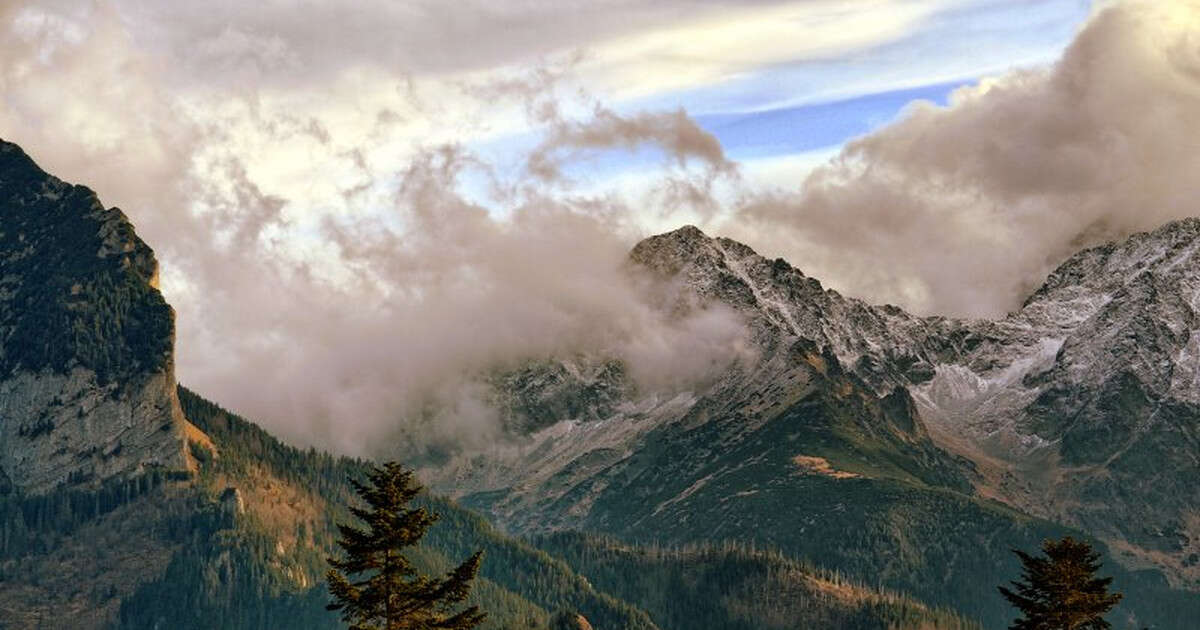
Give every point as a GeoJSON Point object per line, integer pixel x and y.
{"type": "Point", "coordinates": [1061, 591]}
{"type": "Point", "coordinates": [374, 585]}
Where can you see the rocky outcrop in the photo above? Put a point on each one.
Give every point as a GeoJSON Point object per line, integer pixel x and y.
{"type": "Point", "coordinates": [87, 384]}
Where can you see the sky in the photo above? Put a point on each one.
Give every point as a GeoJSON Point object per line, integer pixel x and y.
{"type": "Point", "coordinates": [362, 209]}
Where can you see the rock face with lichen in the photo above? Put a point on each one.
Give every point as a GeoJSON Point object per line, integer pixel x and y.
{"type": "Point", "coordinates": [87, 385]}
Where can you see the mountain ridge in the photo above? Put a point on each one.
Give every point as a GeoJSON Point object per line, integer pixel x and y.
{"type": "Point", "coordinates": [903, 452]}
{"type": "Point", "coordinates": [1147, 287]}
{"type": "Point", "coordinates": [990, 395]}
{"type": "Point", "coordinates": [152, 507]}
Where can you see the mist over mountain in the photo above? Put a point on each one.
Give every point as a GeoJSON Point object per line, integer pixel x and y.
{"type": "Point", "coordinates": [129, 502]}
{"type": "Point", "coordinates": [663, 381]}
{"type": "Point", "coordinates": [294, 234]}
{"type": "Point", "coordinates": [840, 436]}
{"type": "Point", "coordinates": [1077, 409]}
{"type": "Point", "coordinates": [962, 210]}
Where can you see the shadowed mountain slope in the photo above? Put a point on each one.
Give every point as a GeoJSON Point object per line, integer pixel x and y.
{"type": "Point", "coordinates": [912, 452]}
{"type": "Point", "coordinates": [129, 502]}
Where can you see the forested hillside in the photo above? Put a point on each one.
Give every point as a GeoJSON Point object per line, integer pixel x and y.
{"type": "Point", "coordinates": [267, 565]}
{"type": "Point", "coordinates": [241, 544]}
{"type": "Point", "coordinates": [128, 502]}
{"type": "Point", "coordinates": [736, 587]}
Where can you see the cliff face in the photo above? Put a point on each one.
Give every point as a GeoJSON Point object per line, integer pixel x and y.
{"type": "Point", "coordinates": [87, 384]}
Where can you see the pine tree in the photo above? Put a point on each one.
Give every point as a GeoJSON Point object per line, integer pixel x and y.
{"type": "Point", "coordinates": [1061, 591]}
{"type": "Point", "coordinates": [374, 585]}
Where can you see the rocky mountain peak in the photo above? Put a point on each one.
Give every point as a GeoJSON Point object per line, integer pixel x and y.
{"type": "Point", "coordinates": [884, 344]}
{"type": "Point", "coordinates": [1126, 306]}
{"type": "Point", "coordinates": [715, 269]}
{"type": "Point", "coordinates": [87, 386]}
{"type": "Point", "coordinates": [1079, 407]}
{"type": "Point", "coordinates": [1171, 251]}
{"type": "Point", "coordinates": [684, 249]}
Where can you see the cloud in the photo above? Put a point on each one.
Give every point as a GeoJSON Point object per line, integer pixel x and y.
{"type": "Point", "coordinates": [722, 43]}
{"type": "Point", "coordinates": [964, 209]}
{"type": "Point", "coordinates": [674, 133]}
{"type": "Point", "coordinates": [331, 277]}
{"type": "Point", "coordinates": [436, 293]}
{"type": "Point", "coordinates": [344, 268]}
{"type": "Point", "coordinates": [630, 48]}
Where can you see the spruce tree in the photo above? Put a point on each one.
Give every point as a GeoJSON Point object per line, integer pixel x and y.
{"type": "Point", "coordinates": [375, 586]}
{"type": "Point", "coordinates": [1061, 591]}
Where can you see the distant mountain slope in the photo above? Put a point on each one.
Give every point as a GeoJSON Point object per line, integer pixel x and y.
{"type": "Point", "coordinates": [814, 466]}
{"type": "Point", "coordinates": [872, 441]}
{"type": "Point", "coordinates": [129, 502]}
{"type": "Point", "coordinates": [738, 588]}
{"type": "Point", "coordinates": [1085, 402]}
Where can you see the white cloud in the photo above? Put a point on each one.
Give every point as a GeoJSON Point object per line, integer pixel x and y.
{"type": "Point", "coordinates": [298, 168]}
{"type": "Point", "coordinates": [720, 45]}
{"type": "Point", "coordinates": [964, 209]}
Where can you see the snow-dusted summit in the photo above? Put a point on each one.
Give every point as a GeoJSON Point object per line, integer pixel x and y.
{"type": "Point", "coordinates": [1082, 407]}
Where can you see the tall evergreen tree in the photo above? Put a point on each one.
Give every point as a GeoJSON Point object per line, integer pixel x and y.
{"type": "Point", "coordinates": [375, 586]}
{"type": "Point", "coordinates": [1061, 591]}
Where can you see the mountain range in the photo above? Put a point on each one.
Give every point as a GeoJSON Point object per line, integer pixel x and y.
{"type": "Point", "coordinates": [130, 502]}
{"type": "Point", "coordinates": [858, 466]}
{"type": "Point", "coordinates": [869, 440]}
